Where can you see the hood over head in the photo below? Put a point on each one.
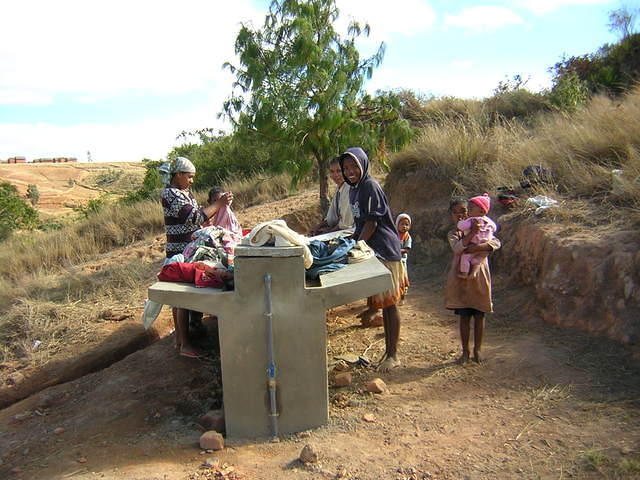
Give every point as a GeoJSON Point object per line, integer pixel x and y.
{"type": "Point", "coordinates": [357, 154]}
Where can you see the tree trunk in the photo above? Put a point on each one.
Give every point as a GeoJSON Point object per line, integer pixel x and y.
{"type": "Point", "coordinates": [323, 166]}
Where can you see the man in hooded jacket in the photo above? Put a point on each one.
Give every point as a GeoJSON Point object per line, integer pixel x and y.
{"type": "Point", "coordinates": [374, 224]}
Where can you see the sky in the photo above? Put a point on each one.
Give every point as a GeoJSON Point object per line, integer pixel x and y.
{"type": "Point", "coordinates": [120, 80]}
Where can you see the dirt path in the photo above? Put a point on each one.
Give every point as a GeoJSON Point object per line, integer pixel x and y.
{"type": "Point", "coordinates": [547, 403]}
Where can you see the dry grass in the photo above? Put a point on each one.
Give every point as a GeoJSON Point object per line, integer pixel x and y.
{"type": "Point", "coordinates": [49, 293]}
{"type": "Point", "coordinates": [581, 150]}
{"type": "Point", "coordinates": [57, 311]}
{"type": "Point", "coordinates": [114, 226]}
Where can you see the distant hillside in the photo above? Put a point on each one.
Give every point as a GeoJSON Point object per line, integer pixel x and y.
{"type": "Point", "coordinates": [72, 183]}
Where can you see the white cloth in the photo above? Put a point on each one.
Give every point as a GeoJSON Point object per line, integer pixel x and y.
{"type": "Point", "coordinates": [339, 213]}
{"type": "Point", "coordinates": [277, 232]}
{"type": "Point", "coordinates": [360, 252]}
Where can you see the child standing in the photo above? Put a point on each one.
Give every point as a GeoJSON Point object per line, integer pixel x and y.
{"type": "Point", "coordinates": [339, 215]}
{"type": "Point", "coordinates": [403, 225]}
{"type": "Point", "coordinates": [468, 297]}
{"type": "Point", "coordinates": [374, 225]}
{"type": "Point", "coordinates": [478, 208]}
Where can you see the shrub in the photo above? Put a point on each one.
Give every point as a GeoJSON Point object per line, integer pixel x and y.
{"type": "Point", "coordinates": [14, 212]}
{"type": "Point", "coordinates": [33, 194]}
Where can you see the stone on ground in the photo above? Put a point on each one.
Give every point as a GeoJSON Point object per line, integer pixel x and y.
{"type": "Point", "coordinates": [211, 440]}
{"type": "Point", "coordinates": [376, 386]}
{"type": "Point", "coordinates": [308, 454]}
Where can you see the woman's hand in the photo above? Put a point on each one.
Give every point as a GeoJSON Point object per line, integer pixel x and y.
{"type": "Point", "coordinates": [475, 227]}
{"type": "Point", "coordinates": [226, 198]}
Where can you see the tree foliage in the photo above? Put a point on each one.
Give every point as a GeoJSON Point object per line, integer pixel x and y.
{"type": "Point", "coordinates": [33, 194]}
{"type": "Point", "coordinates": [219, 157]}
{"type": "Point", "coordinates": [613, 69]}
{"type": "Point", "coordinates": [299, 87]}
{"type": "Point", "coordinates": [15, 213]}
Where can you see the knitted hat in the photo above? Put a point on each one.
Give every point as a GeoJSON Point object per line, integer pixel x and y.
{"type": "Point", "coordinates": [483, 201]}
{"type": "Point", "coordinates": [401, 216]}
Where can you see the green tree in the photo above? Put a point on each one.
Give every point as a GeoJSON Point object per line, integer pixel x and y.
{"type": "Point", "coordinates": [298, 86]}
{"type": "Point", "coordinates": [33, 194]}
{"type": "Point", "coordinates": [15, 213]}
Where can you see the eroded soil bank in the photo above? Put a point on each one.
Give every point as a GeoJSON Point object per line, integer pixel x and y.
{"type": "Point", "coordinates": [581, 276]}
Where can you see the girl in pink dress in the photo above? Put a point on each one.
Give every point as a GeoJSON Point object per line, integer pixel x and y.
{"type": "Point", "coordinates": [478, 208]}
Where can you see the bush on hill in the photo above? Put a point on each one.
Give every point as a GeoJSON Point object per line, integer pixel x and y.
{"type": "Point", "coordinates": [612, 70]}
{"type": "Point", "coordinates": [581, 150]}
{"type": "Point", "coordinates": [15, 213]}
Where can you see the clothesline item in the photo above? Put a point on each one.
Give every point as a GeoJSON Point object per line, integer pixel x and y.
{"type": "Point", "coordinates": [277, 233]}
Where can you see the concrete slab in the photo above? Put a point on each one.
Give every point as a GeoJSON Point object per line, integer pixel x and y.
{"type": "Point", "coordinates": [298, 332]}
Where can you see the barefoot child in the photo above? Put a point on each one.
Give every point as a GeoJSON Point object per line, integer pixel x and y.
{"type": "Point", "coordinates": [375, 226]}
{"type": "Point", "coordinates": [478, 209]}
{"type": "Point", "coordinates": [403, 225]}
{"type": "Point", "coordinates": [469, 297]}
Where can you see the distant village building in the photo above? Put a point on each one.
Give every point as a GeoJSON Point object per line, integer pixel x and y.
{"type": "Point", "coordinates": [55, 160]}
{"type": "Point", "coordinates": [17, 160]}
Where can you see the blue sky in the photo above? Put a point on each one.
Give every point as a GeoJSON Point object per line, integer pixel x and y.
{"type": "Point", "coordinates": [123, 78]}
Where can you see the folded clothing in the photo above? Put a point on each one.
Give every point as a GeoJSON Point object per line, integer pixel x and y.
{"type": "Point", "coordinates": [200, 274]}
{"type": "Point", "coordinates": [276, 232]}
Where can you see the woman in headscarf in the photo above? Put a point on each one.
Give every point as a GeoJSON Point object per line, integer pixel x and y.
{"type": "Point", "coordinates": [182, 214]}
{"type": "Point", "coordinates": [182, 217]}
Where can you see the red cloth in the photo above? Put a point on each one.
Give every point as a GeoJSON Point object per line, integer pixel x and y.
{"type": "Point", "coordinates": [197, 273]}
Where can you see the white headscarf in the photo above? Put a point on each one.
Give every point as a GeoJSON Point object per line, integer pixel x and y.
{"type": "Point", "coordinates": [179, 165]}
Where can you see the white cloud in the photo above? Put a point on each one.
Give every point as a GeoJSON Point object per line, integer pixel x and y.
{"type": "Point", "coordinates": [104, 48]}
{"type": "Point", "coordinates": [484, 18]}
{"type": "Point", "coordinates": [403, 17]}
{"type": "Point", "coordinates": [545, 6]}
{"type": "Point", "coordinates": [108, 142]}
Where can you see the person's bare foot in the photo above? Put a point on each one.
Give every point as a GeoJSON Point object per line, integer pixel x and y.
{"type": "Point", "coordinates": [464, 358]}
{"type": "Point", "coordinates": [190, 352]}
{"type": "Point", "coordinates": [376, 321]}
{"type": "Point", "coordinates": [388, 364]}
{"type": "Point", "coordinates": [368, 318]}
{"type": "Point", "coordinates": [476, 356]}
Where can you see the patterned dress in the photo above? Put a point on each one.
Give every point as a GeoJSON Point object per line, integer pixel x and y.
{"type": "Point", "coordinates": [182, 217]}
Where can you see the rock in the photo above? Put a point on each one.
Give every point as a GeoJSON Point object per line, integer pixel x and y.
{"type": "Point", "coordinates": [308, 454]}
{"type": "Point", "coordinates": [369, 417]}
{"type": "Point", "coordinates": [376, 386]}
{"type": "Point", "coordinates": [58, 431]}
{"type": "Point", "coordinates": [16, 470]}
{"type": "Point", "coordinates": [211, 463]}
{"type": "Point", "coordinates": [211, 440]}
{"type": "Point", "coordinates": [82, 460]}
{"type": "Point", "coordinates": [213, 420]}
{"type": "Point", "coordinates": [342, 379]}
{"type": "Point", "coordinates": [14, 379]}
